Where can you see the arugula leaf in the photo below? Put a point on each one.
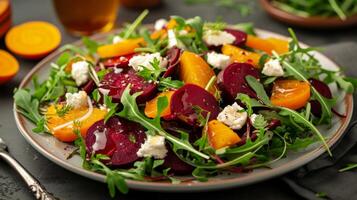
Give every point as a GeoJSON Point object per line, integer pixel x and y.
{"type": "Point", "coordinates": [128, 33]}
{"type": "Point", "coordinates": [168, 83]}
{"type": "Point", "coordinates": [29, 107]}
{"type": "Point", "coordinates": [259, 89]}
{"type": "Point", "coordinates": [131, 112]}
{"type": "Point", "coordinates": [249, 102]}
{"type": "Point", "coordinates": [348, 167]}
{"type": "Point", "coordinates": [301, 143]}
{"type": "Point", "coordinates": [246, 27]}
{"type": "Point", "coordinates": [301, 119]}
{"type": "Point", "coordinates": [111, 106]}
{"type": "Point", "coordinates": [90, 44]}
{"type": "Point", "coordinates": [152, 74]}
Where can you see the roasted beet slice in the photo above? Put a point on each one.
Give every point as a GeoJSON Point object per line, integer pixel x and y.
{"type": "Point", "coordinates": [173, 56]}
{"type": "Point", "coordinates": [188, 96]}
{"type": "Point", "coordinates": [120, 61]}
{"type": "Point", "coordinates": [241, 37]}
{"type": "Point", "coordinates": [324, 90]}
{"type": "Point", "coordinates": [119, 139]}
{"type": "Point", "coordinates": [176, 165]}
{"type": "Point", "coordinates": [231, 80]}
{"type": "Point", "coordinates": [117, 82]}
{"type": "Point", "coordinates": [89, 86]}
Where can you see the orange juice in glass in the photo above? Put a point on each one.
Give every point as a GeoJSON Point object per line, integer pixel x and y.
{"type": "Point", "coordinates": [85, 17]}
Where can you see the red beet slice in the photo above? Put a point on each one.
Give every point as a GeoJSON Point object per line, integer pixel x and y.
{"type": "Point", "coordinates": [89, 86]}
{"type": "Point", "coordinates": [173, 56]}
{"type": "Point", "coordinates": [117, 82]}
{"type": "Point", "coordinates": [241, 37]}
{"type": "Point", "coordinates": [188, 96]}
{"type": "Point", "coordinates": [324, 90]}
{"type": "Point", "coordinates": [176, 165]}
{"type": "Point", "coordinates": [119, 61]}
{"type": "Point", "coordinates": [231, 80]}
{"type": "Point", "coordinates": [123, 140]}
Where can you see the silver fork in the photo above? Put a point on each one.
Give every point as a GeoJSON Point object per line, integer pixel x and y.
{"type": "Point", "coordinates": [38, 190]}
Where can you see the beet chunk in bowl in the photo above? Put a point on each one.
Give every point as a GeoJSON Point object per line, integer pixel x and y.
{"type": "Point", "coordinates": [231, 80]}
{"type": "Point", "coordinates": [185, 99]}
{"type": "Point", "coordinates": [118, 138]}
{"type": "Point", "coordinates": [115, 84]}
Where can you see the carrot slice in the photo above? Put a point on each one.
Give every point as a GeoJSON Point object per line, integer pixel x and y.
{"type": "Point", "coordinates": [8, 66]}
{"type": "Point", "coordinates": [124, 47]}
{"type": "Point", "coordinates": [241, 55]}
{"type": "Point", "coordinates": [293, 94]}
{"type": "Point", "coordinates": [33, 40]}
{"type": "Point", "coordinates": [268, 45]}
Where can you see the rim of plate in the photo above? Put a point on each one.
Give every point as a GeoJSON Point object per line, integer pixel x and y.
{"type": "Point", "coordinates": [215, 184]}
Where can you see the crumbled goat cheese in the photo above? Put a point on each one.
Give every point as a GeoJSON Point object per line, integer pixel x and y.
{"type": "Point", "coordinates": [117, 39]}
{"type": "Point", "coordinates": [137, 62]}
{"type": "Point", "coordinates": [80, 72]}
{"type": "Point", "coordinates": [77, 100]}
{"type": "Point", "coordinates": [217, 38]}
{"type": "Point", "coordinates": [233, 116]}
{"type": "Point", "coordinates": [273, 68]}
{"type": "Point", "coordinates": [160, 24]}
{"type": "Point", "coordinates": [154, 146]}
{"type": "Point", "coordinates": [117, 70]}
{"type": "Point", "coordinates": [100, 140]}
{"type": "Point", "coordinates": [217, 60]}
{"type": "Point", "coordinates": [173, 41]}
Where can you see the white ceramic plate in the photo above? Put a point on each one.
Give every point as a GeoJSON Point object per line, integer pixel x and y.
{"type": "Point", "coordinates": [58, 151]}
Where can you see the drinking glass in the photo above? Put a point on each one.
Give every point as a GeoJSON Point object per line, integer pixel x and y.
{"type": "Point", "coordinates": [85, 17]}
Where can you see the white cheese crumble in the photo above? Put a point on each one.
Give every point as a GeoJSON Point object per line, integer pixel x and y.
{"type": "Point", "coordinates": [117, 70]}
{"type": "Point", "coordinates": [160, 24]}
{"type": "Point", "coordinates": [233, 116]}
{"type": "Point", "coordinates": [104, 91]}
{"type": "Point", "coordinates": [173, 41]}
{"type": "Point", "coordinates": [80, 72]}
{"type": "Point", "coordinates": [217, 60]}
{"type": "Point", "coordinates": [117, 39]}
{"type": "Point", "coordinates": [273, 68]}
{"type": "Point", "coordinates": [100, 140]}
{"type": "Point", "coordinates": [137, 62]}
{"type": "Point", "coordinates": [77, 100]}
{"type": "Point", "coordinates": [154, 146]}
{"type": "Point", "coordinates": [217, 38]}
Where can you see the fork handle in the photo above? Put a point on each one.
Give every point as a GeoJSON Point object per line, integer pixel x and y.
{"type": "Point", "coordinates": [34, 185]}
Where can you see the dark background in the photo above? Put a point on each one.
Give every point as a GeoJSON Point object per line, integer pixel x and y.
{"type": "Point", "coordinates": [65, 184]}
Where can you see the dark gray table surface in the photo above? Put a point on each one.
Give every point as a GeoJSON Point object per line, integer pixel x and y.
{"type": "Point", "coordinates": [68, 185]}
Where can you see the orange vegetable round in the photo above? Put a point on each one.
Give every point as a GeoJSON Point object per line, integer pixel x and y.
{"type": "Point", "coordinates": [67, 134]}
{"type": "Point", "coordinates": [240, 55]}
{"type": "Point", "coordinates": [293, 94]}
{"type": "Point", "coordinates": [8, 66]}
{"type": "Point", "coordinates": [33, 40]}
{"type": "Point", "coordinates": [220, 135]}
{"type": "Point", "coordinates": [195, 70]}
